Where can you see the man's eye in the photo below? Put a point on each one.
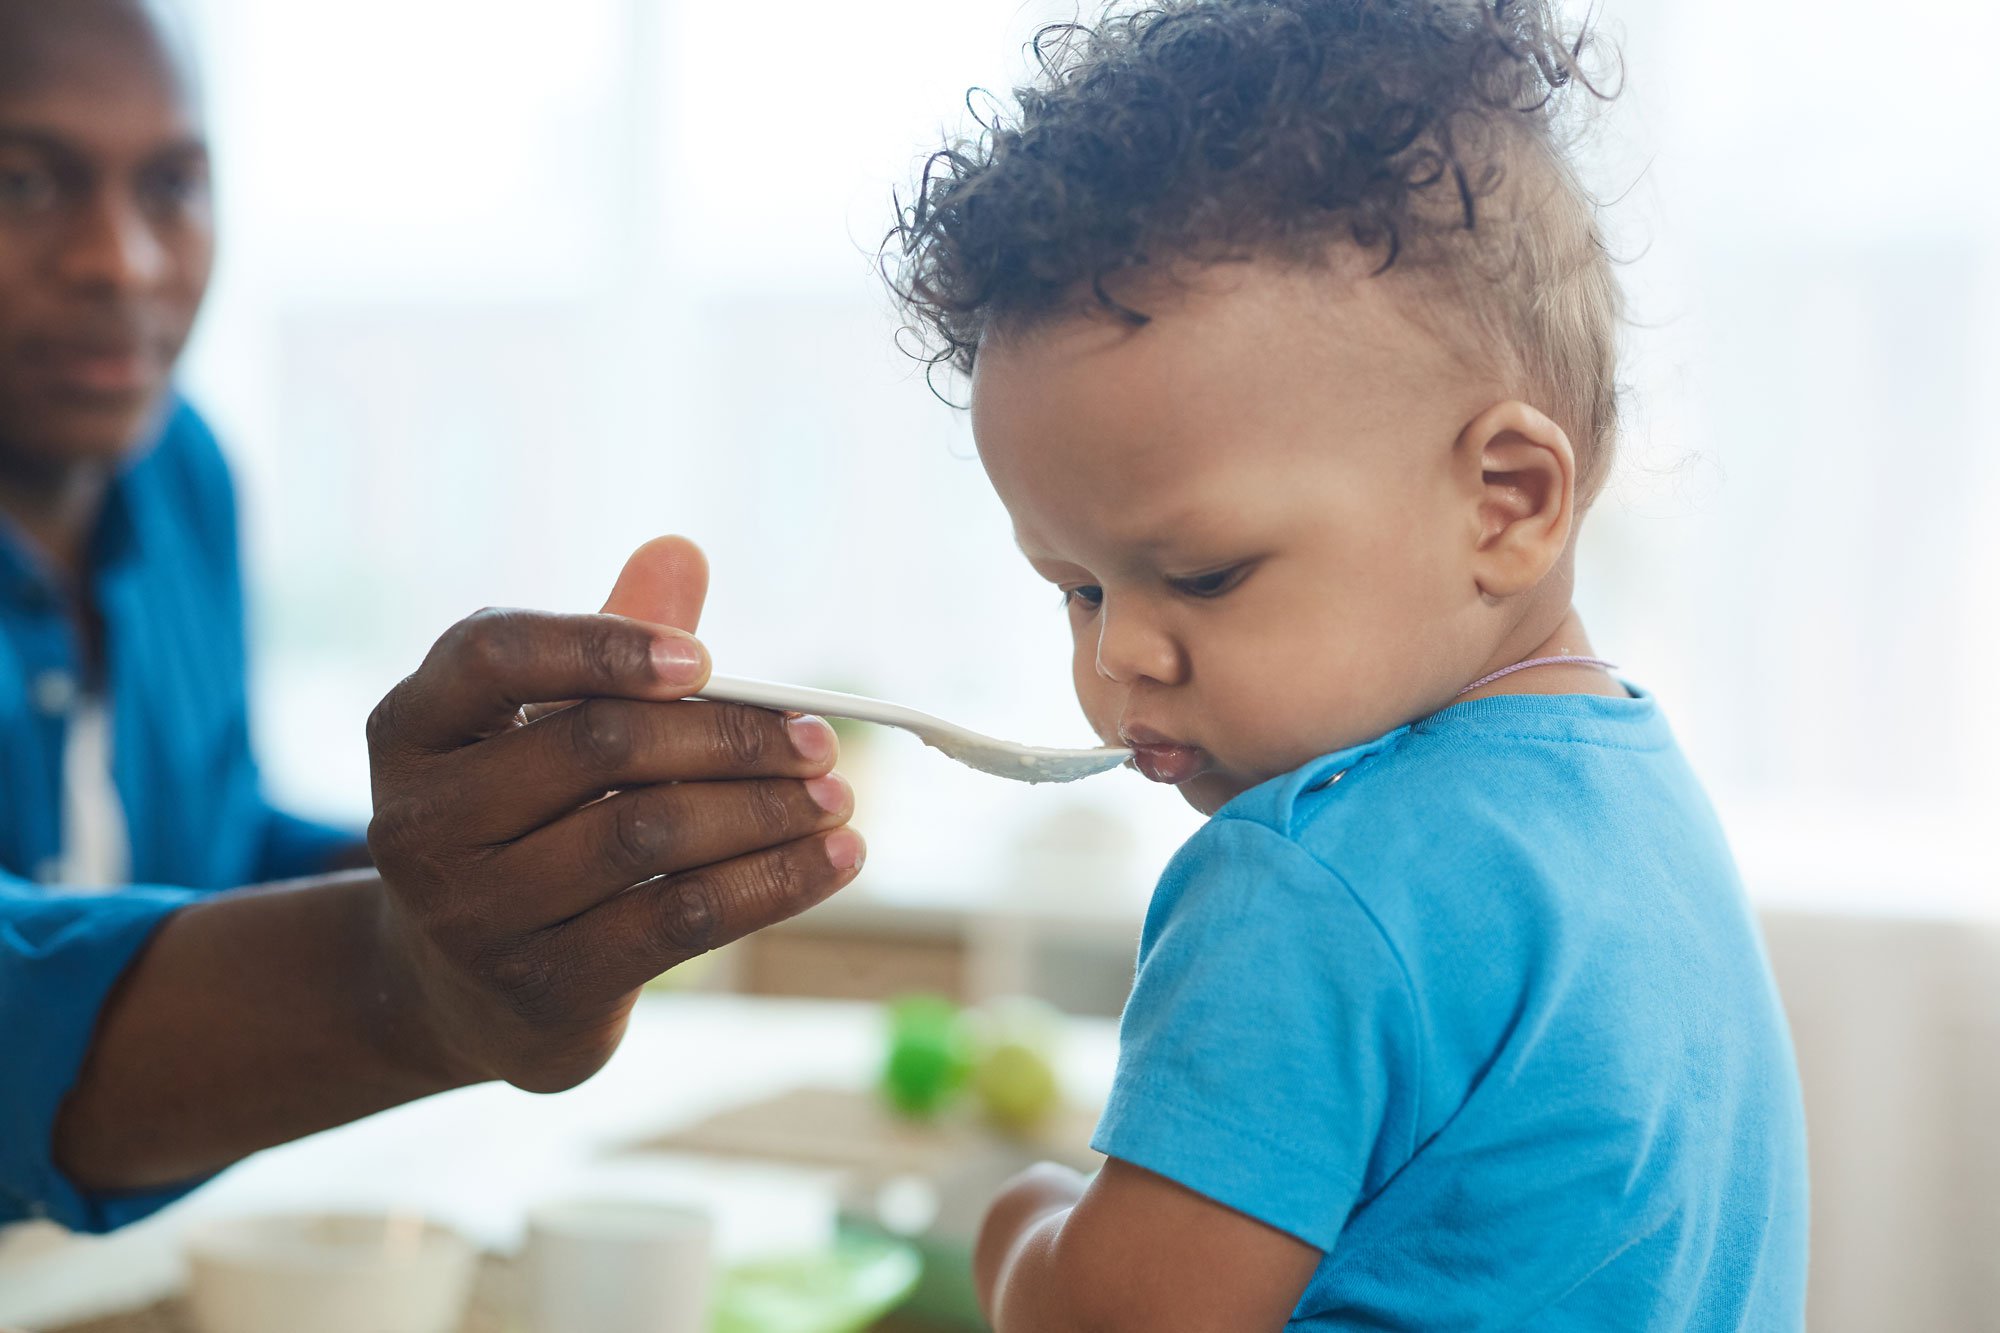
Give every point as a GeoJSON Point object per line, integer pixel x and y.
{"type": "Point", "coordinates": [25, 189]}
{"type": "Point", "coordinates": [1212, 584]}
{"type": "Point", "coordinates": [175, 187]}
{"type": "Point", "coordinates": [1088, 595]}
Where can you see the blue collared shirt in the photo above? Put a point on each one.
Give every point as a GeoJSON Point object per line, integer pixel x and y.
{"type": "Point", "coordinates": [164, 572]}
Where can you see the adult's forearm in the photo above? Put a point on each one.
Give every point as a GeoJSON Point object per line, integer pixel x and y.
{"type": "Point", "coordinates": [251, 1018]}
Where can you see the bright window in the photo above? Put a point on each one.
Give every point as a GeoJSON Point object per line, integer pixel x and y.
{"type": "Point", "coordinates": [508, 289]}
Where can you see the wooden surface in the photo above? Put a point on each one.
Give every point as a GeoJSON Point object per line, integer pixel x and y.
{"type": "Point", "coordinates": [854, 965]}
{"type": "Point", "coordinates": [850, 1129]}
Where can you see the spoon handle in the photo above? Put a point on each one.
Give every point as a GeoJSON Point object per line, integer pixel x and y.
{"type": "Point", "coordinates": [805, 699]}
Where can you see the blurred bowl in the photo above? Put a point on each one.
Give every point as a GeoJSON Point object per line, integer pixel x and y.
{"type": "Point", "coordinates": [328, 1273]}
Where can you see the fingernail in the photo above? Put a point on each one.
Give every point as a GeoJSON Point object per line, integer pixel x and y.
{"type": "Point", "coordinates": [811, 737]}
{"type": "Point", "coordinates": [830, 793]}
{"type": "Point", "coordinates": [845, 849]}
{"type": "Point", "coordinates": [677, 661]}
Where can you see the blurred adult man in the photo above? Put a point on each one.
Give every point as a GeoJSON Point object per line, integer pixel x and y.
{"type": "Point", "coordinates": [532, 873]}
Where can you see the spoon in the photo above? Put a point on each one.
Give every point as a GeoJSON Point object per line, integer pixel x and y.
{"type": "Point", "coordinates": [1003, 759]}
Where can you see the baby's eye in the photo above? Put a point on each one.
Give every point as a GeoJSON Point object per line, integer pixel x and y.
{"type": "Point", "coordinates": [1087, 595]}
{"type": "Point", "coordinates": [1212, 584]}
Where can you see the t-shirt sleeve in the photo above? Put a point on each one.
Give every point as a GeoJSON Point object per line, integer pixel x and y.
{"type": "Point", "coordinates": [1266, 1056]}
{"type": "Point", "coordinates": [60, 955]}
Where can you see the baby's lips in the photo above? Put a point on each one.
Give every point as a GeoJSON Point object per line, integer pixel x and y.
{"type": "Point", "coordinates": [1171, 764]}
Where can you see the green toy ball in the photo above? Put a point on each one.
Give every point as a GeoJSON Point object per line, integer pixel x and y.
{"type": "Point", "coordinates": [931, 1055]}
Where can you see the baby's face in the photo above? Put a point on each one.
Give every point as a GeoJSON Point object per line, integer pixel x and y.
{"type": "Point", "coordinates": [1255, 511]}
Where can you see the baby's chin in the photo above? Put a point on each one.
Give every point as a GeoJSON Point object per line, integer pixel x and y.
{"type": "Point", "coordinates": [1210, 791]}
{"type": "Point", "coordinates": [1223, 780]}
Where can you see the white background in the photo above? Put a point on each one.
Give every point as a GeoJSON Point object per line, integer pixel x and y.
{"type": "Point", "coordinates": [509, 287]}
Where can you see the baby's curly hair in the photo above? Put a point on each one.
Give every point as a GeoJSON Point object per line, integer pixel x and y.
{"type": "Point", "coordinates": [1428, 133]}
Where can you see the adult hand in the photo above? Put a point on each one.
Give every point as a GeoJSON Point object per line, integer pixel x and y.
{"type": "Point", "coordinates": [533, 872]}
{"type": "Point", "coordinates": [540, 866]}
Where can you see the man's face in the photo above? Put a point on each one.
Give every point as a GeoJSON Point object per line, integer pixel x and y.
{"type": "Point", "coordinates": [106, 234]}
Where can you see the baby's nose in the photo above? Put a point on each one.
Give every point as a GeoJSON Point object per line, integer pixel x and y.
{"type": "Point", "coordinates": [1131, 649]}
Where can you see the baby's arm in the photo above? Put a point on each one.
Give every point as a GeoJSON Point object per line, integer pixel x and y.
{"type": "Point", "coordinates": [1131, 1250]}
{"type": "Point", "coordinates": [1268, 1048]}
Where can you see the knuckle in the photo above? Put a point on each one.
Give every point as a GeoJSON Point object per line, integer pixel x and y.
{"type": "Point", "coordinates": [524, 980]}
{"type": "Point", "coordinates": [484, 643]}
{"type": "Point", "coordinates": [385, 719]}
{"type": "Point", "coordinates": [461, 927]}
{"type": "Point", "coordinates": [617, 654]}
{"type": "Point", "coordinates": [602, 733]}
{"type": "Point", "coordinates": [396, 825]}
{"type": "Point", "coordinates": [770, 812]}
{"type": "Point", "coordinates": [686, 918]}
{"type": "Point", "coordinates": [412, 842]}
{"type": "Point", "coordinates": [639, 832]}
{"type": "Point", "coordinates": [742, 735]}
{"type": "Point", "coordinates": [781, 885]}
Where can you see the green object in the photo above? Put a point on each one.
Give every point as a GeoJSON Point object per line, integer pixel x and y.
{"type": "Point", "coordinates": [931, 1055]}
{"type": "Point", "coordinates": [861, 1279]}
{"type": "Point", "coordinates": [1017, 1086]}
{"type": "Point", "coordinates": [1016, 1076]}
{"type": "Point", "coordinates": [944, 1296]}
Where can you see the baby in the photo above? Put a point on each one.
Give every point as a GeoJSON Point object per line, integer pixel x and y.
{"type": "Point", "coordinates": [1291, 340]}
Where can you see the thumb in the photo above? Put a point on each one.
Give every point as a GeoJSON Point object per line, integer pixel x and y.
{"type": "Point", "coordinates": [664, 582]}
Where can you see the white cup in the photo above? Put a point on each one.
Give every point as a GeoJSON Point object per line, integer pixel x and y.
{"type": "Point", "coordinates": [328, 1273]}
{"type": "Point", "coordinates": [618, 1266]}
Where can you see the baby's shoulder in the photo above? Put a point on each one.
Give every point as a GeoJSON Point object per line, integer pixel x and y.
{"type": "Point", "coordinates": [1395, 819]}
{"type": "Point", "coordinates": [1341, 815]}
{"type": "Point", "coordinates": [1262, 879]}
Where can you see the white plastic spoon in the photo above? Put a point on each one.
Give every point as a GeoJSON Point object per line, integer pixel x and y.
{"type": "Point", "coordinates": [1023, 763]}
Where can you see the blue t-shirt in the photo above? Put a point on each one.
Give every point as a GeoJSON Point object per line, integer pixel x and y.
{"type": "Point", "coordinates": [1478, 1009]}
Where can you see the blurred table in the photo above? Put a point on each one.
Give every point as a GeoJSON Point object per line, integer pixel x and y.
{"type": "Point", "coordinates": [478, 1158]}
{"type": "Point", "coordinates": [1896, 1017]}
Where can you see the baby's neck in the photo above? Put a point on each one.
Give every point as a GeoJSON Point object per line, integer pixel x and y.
{"type": "Point", "coordinates": [1566, 639]}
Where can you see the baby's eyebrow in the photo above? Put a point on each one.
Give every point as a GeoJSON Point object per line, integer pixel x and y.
{"type": "Point", "coordinates": [1042, 563]}
{"type": "Point", "coordinates": [1191, 525]}
{"type": "Point", "coordinates": [1031, 555]}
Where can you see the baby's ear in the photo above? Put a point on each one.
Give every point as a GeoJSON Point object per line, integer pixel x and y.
{"type": "Point", "coordinates": [1525, 496]}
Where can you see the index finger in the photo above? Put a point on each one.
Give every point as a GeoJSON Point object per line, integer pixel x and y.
{"type": "Point", "coordinates": [477, 677]}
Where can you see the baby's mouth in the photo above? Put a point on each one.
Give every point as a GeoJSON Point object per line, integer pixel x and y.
{"type": "Point", "coordinates": [1161, 758]}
